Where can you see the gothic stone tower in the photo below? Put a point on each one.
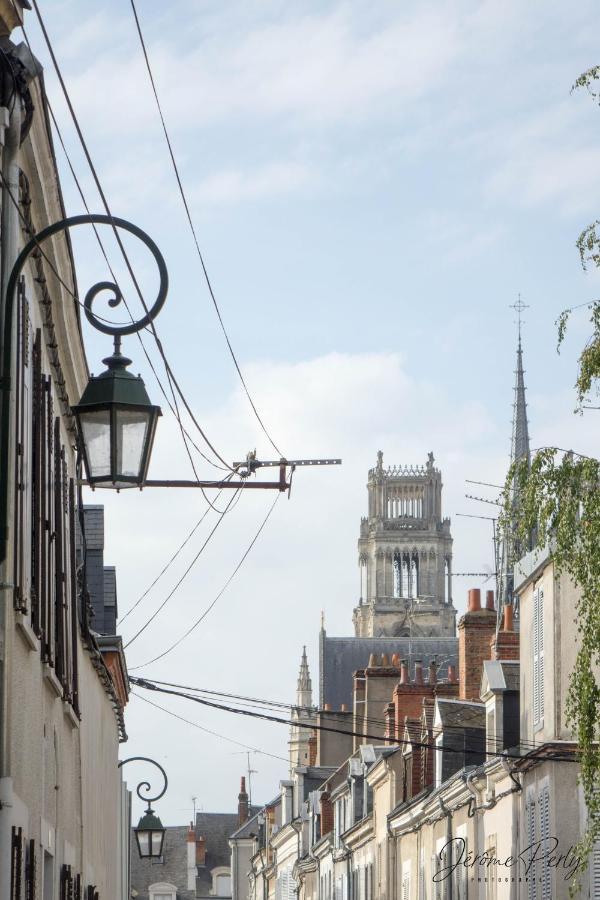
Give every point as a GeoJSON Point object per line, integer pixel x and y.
{"type": "Point", "coordinates": [405, 556]}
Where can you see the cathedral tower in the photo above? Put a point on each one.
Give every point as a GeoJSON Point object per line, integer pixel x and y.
{"type": "Point", "coordinates": [405, 555]}
{"type": "Point", "coordinates": [303, 718]}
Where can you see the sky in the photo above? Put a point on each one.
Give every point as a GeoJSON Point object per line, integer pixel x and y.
{"type": "Point", "coordinates": [373, 185]}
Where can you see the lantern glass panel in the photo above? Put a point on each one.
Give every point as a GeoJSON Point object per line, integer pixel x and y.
{"type": "Point", "coordinates": [131, 431]}
{"type": "Point", "coordinates": [143, 839]}
{"type": "Point", "coordinates": [157, 840]}
{"type": "Point", "coordinates": [96, 436]}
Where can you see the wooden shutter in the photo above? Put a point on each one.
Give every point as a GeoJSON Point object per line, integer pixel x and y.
{"type": "Point", "coordinates": [30, 872]}
{"type": "Point", "coordinates": [16, 863]}
{"type": "Point", "coordinates": [22, 452]}
{"type": "Point", "coordinates": [530, 839]}
{"type": "Point", "coordinates": [546, 874]}
{"type": "Point", "coordinates": [48, 486]}
{"type": "Point", "coordinates": [36, 497]}
{"type": "Point", "coordinates": [73, 599]}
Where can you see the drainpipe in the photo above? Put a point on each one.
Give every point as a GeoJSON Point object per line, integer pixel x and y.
{"type": "Point", "coordinates": [8, 252]}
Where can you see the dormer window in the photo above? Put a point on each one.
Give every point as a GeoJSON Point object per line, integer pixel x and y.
{"type": "Point", "coordinates": [162, 891]}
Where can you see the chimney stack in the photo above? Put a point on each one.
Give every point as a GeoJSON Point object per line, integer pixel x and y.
{"type": "Point", "coordinates": [243, 811]}
{"type": "Point", "coordinates": [475, 631]}
{"type": "Point", "coordinates": [200, 851]}
{"type": "Point", "coordinates": [419, 671]}
{"type": "Point", "coordinates": [433, 672]}
{"type": "Point", "coordinates": [505, 644]}
{"type": "Point", "coordinates": [312, 749]}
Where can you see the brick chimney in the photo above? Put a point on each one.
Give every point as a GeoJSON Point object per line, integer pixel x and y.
{"type": "Point", "coordinates": [505, 644]}
{"type": "Point", "coordinates": [475, 631]}
{"type": "Point", "coordinates": [312, 749]}
{"type": "Point", "coordinates": [200, 851]}
{"type": "Point", "coordinates": [243, 812]}
{"type": "Point", "coordinates": [326, 814]}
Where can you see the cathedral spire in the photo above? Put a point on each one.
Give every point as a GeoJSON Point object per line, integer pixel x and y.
{"type": "Point", "coordinates": [520, 430]}
{"type": "Point", "coordinates": [304, 686]}
{"type": "Point", "coordinates": [519, 450]}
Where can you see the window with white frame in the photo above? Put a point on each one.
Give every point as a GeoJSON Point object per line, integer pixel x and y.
{"type": "Point", "coordinates": [162, 891]}
{"type": "Point", "coordinates": [406, 880]}
{"type": "Point", "coordinates": [221, 882]}
{"type": "Point", "coordinates": [491, 875]}
{"type": "Point", "coordinates": [458, 857]}
{"type": "Point", "coordinates": [538, 657]}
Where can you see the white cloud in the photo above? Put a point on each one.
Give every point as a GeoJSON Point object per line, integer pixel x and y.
{"type": "Point", "coordinates": [235, 185]}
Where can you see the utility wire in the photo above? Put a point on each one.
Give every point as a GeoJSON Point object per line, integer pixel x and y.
{"type": "Point", "coordinates": [142, 683]}
{"type": "Point", "coordinates": [169, 563]}
{"type": "Point", "coordinates": [102, 195]}
{"type": "Point", "coordinates": [254, 702]}
{"type": "Point", "coordinates": [189, 568]}
{"type": "Point", "coordinates": [218, 596]}
{"type": "Point", "coordinates": [175, 410]}
{"type": "Point", "coordinates": [208, 730]}
{"type": "Point", "coordinates": [193, 230]}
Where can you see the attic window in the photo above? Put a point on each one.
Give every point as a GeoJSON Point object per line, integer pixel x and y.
{"type": "Point", "coordinates": [162, 891]}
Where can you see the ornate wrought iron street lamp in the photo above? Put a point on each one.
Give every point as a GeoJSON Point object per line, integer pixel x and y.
{"type": "Point", "coordinates": [115, 419]}
{"type": "Point", "coordinates": [150, 831]}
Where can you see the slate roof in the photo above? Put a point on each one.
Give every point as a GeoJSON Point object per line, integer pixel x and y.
{"type": "Point", "coordinates": [461, 714]}
{"type": "Point", "coordinates": [172, 869]}
{"type": "Point", "coordinates": [216, 829]}
{"type": "Point", "coordinates": [340, 657]}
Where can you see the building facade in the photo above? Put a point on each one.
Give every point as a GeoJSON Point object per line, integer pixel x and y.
{"type": "Point", "coordinates": [62, 802]}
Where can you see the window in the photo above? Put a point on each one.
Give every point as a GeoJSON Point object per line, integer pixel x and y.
{"type": "Point", "coordinates": [491, 886]}
{"type": "Point", "coordinates": [538, 656]}
{"type": "Point", "coordinates": [162, 891]}
{"type": "Point", "coordinates": [461, 872]}
{"type": "Point", "coordinates": [406, 880]}
{"type": "Point", "coordinates": [221, 886]}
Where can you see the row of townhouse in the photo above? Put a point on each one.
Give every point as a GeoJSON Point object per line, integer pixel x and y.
{"type": "Point", "coordinates": [439, 790]}
{"type": "Point", "coordinates": [64, 810]}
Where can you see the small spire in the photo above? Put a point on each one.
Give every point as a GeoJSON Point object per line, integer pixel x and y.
{"type": "Point", "coordinates": [304, 675]}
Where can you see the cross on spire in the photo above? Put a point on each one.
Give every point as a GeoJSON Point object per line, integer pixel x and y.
{"type": "Point", "coordinates": [519, 306]}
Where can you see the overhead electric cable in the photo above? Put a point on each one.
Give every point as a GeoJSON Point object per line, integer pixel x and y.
{"type": "Point", "coordinates": [189, 568]}
{"type": "Point", "coordinates": [169, 563]}
{"type": "Point", "coordinates": [115, 230]}
{"type": "Point", "coordinates": [175, 410]}
{"type": "Point", "coordinates": [208, 730]}
{"type": "Point", "coordinates": [261, 703]}
{"type": "Point", "coordinates": [193, 230]}
{"type": "Point", "coordinates": [140, 682]}
{"type": "Point", "coordinates": [218, 596]}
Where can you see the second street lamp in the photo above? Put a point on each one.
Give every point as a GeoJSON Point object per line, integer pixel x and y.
{"type": "Point", "coordinates": [150, 831]}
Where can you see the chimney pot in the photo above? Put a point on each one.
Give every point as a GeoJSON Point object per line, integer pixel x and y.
{"type": "Point", "coordinates": [418, 671]}
{"type": "Point", "coordinates": [404, 674]}
{"type": "Point", "coordinates": [508, 617]}
{"type": "Point", "coordinates": [327, 707]}
{"type": "Point", "coordinates": [385, 660]}
{"type": "Point", "coordinates": [373, 661]}
{"type": "Point", "coordinates": [343, 708]}
{"type": "Point", "coordinates": [433, 672]}
{"type": "Point", "coordinates": [489, 600]}
{"type": "Point", "coordinates": [452, 674]}
{"type": "Point", "coordinates": [396, 660]}
{"type": "Point", "coordinates": [474, 600]}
